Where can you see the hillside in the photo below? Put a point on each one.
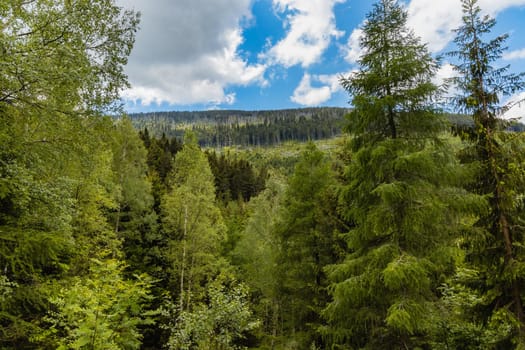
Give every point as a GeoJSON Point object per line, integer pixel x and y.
{"type": "Point", "coordinates": [220, 128]}
{"type": "Point", "coordinates": [246, 128]}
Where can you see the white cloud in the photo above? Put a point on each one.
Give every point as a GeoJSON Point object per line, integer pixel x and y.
{"type": "Point", "coordinates": [444, 72]}
{"type": "Point", "coordinates": [517, 102]}
{"type": "Point", "coordinates": [354, 50]}
{"type": "Point", "coordinates": [307, 95]}
{"type": "Point", "coordinates": [514, 55]}
{"type": "Point", "coordinates": [493, 7]}
{"type": "Point", "coordinates": [186, 52]}
{"type": "Point", "coordinates": [434, 20]}
{"type": "Point", "coordinates": [310, 28]}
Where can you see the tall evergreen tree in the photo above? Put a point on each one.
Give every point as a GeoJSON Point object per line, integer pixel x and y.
{"type": "Point", "coordinates": [400, 194]}
{"type": "Point", "coordinates": [307, 233]}
{"type": "Point", "coordinates": [134, 220]}
{"type": "Point", "coordinates": [495, 248]}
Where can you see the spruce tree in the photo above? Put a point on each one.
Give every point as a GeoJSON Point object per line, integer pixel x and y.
{"type": "Point", "coordinates": [400, 194]}
{"type": "Point", "coordinates": [495, 247]}
{"type": "Point", "coordinates": [308, 233]}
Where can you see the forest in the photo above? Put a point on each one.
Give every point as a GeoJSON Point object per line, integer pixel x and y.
{"type": "Point", "coordinates": [399, 231]}
{"type": "Point", "coordinates": [225, 128]}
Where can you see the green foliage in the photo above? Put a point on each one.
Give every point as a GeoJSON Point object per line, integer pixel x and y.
{"type": "Point", "coordinates": [217, 324]}
{"type": "Point", "coordinates": [192, 222]}
{"type": "Point", "coordinates": [494, 245]}
{"type": "Point", "coordinates": [62, 54]}
{"type": "Point", "coordinates": [85, 217]}
{"type": "Point", "coordinates": [134, 219]}
{"type": "Point", "coordinates": [392, 91]}
{"type": "Point", "coordinates": [100, 310]}
{"type": "Point", "coordinates": [6, 290]}
{"type": "Point", "coordinates": [400, 195]}
{"type": "Point", "coordinates": [307, 232]}
{"type": "Point", "coordinates": [257, 254]}
{"type": "Point", "coordinates": [61, 64]}
{"type": "Point", "coordinates": [480, 83]}
{"type": "Point", "coordinates": [246, 128]}
{"type": "Point", "coordinates": [235, 178]}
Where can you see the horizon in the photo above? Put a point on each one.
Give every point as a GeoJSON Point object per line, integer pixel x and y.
{"type": "Point", "coordinates": [278, 54]}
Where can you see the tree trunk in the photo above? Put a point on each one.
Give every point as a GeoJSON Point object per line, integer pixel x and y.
{"type": "Point", "coordinates": [509, 256]}
{"type": "Point", "coordinates": [183, 264]}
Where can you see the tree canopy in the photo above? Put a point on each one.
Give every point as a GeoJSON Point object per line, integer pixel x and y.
{"type": "Point", "coordinates": [397, 234]}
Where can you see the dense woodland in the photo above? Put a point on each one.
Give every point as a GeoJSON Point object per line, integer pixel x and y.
{"type": "Point", "coordinates": [245, 128]}
{"type": "Point", "coordinates": [223, 128]}
{"type": "Point", "coordinates": [399, 235]}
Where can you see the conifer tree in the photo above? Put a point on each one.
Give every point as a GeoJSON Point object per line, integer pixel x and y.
{"type": "Point", "coordinates": [307, 233]}
{"type": "Point", "coordinates": [495, 247]}
{"type": "Point", "coordinates": [400, 194]}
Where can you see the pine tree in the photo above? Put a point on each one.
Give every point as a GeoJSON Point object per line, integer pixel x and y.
{"type": "Point", "coordinates": [495, 247]}
{"type": "Point", "coordinates": [400, 194]}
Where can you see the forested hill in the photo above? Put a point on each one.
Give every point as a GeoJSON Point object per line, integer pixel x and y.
{"type": "Point", "coordinates": [219, 128]}
{"type": "Point", "coordinates": [247, 128]}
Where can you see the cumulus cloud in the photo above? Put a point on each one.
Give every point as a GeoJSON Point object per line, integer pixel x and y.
{"type": "Point", "coordinates": [493, 7]}
{"type": "Point", "coordinates": [308, 95]}
{"type": "Point", "coordinates": [434, 20]}
{"type": "Point", "coordinates": [186, 51]}
{"type": "Point", "coordinates": [353, 51]}
{"type": "Point", "coordinates": [310, 27]}
{"type": "Point", "coordinates": [444, 72]}
{"type": "Point", "coordinates": [514, 55]}
{"type": "Point", "coordinates": [517, 110]}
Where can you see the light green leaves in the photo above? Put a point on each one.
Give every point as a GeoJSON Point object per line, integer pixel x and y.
{"type": "Point", "coordinates": [101, 310]}
{"type": "Point", "coordinates": [407, 271]}
{"type": "Point", "coordinates": [218, 323]}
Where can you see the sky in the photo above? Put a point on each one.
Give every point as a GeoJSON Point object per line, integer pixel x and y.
{"type": "Point", "coordinates": [274, 54]}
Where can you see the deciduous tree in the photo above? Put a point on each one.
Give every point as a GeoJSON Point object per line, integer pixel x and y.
{"type": "Point", "coordinates": [193, 224]}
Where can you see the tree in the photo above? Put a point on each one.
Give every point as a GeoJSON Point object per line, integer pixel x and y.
{"type": "Point", "coordinates": [193, 224]}
{"type": "Point", "coordinates": [134, 221]}
{"type": "Point", "coordinates": [307, 231]}
{"type": "Point", "coordinates": [217, 324]}
{"type": "Point", "coordinates": [494, 248]}
{"type": "Point", "coordinates": [64, 56]}
{"type": "Point", "coordinates": [61, 64]}
{"type": "Point", "coordinates": [257, 253]}
{"type": "Point", "coordinates": [101, 310]}
{"type": "Point", "coordinates": [399, 196]}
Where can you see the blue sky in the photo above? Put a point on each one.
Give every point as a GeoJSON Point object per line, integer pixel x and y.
{"type": "Point", "coordinates": [272, 54]}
